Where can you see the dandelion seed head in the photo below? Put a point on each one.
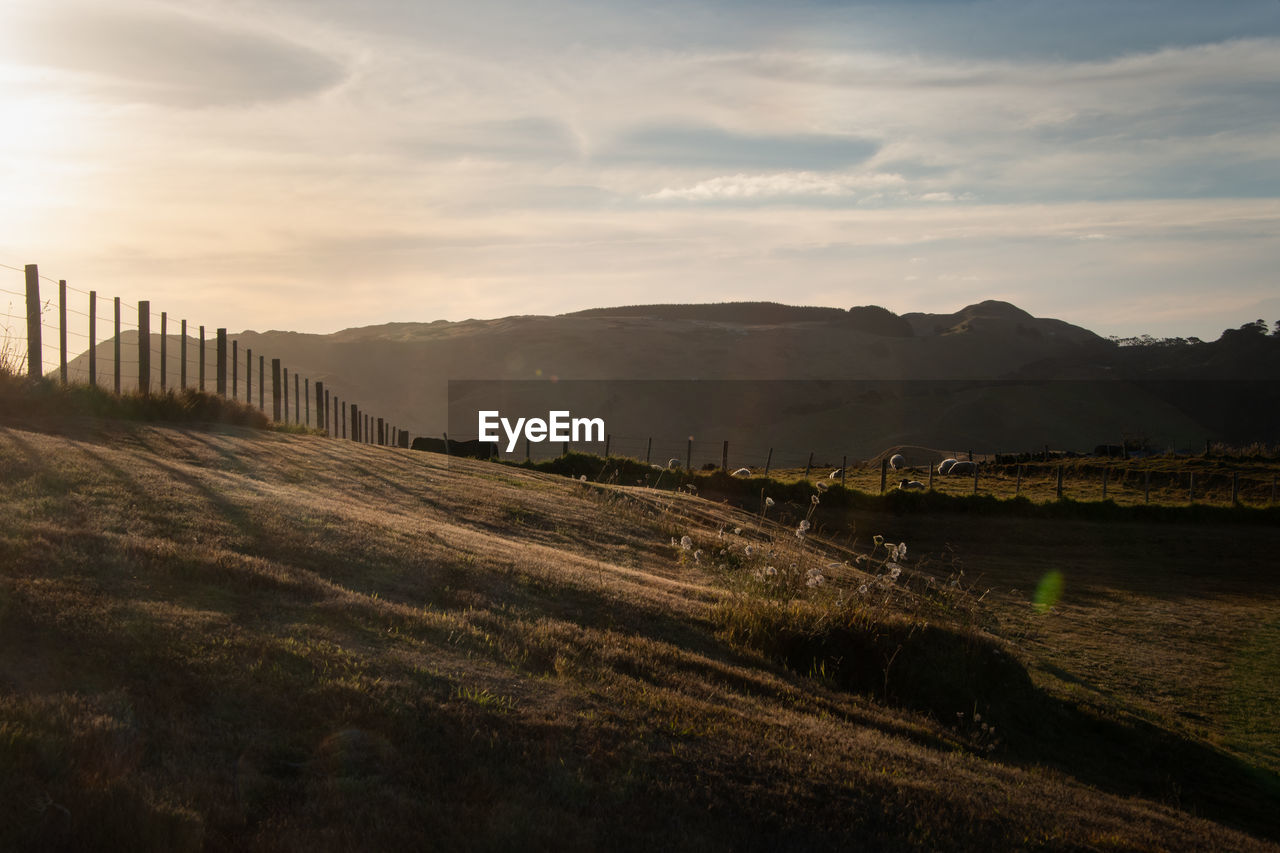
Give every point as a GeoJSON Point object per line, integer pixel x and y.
{"type": "Point", "coordinates": [815, 580]}
{"type": "Point", "coordinates": [770, 571]}
{"type": "Point", "coordinates": [862, 590]}
{"type": "Point", "coordinates": [749, 550]}
{"type": "Point", "coordinates": [686, 543]}
{"type": "Point", "coordinates": [804, 524]}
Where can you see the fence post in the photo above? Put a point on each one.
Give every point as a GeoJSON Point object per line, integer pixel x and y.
{"type": "Point", "coordinates": [34, 348]}
{"type": "Point", "coordinates": [285, 392]}
{"type": "Point", "coordinates": [975, 473]}
{"type": "Point", "coordinates": [93, 338]}
{"type": "Point", "coordinates": [355, 422]}
{"type": "Point", "coordinates": [262, 384]}
{"type": "Point", "coordinates": [844, 463]}
{"type": "Point", "coordinates": [526, 448]}
{"type": "Point", "coordinates": [724, 456]}
{"type": "Point", "coordinates": [306, 399]}
{"type": "Point", "coordinates": [235, 370]}
{"type": "Point", "coordinates": [808, 465]}
{"type": "Point", "coordinates": [608, 440]}
{"type": "Point", "coordinates": [62, 330]}
{"type": "Point", "coordinates": [248, 376]}
{"type": "Point", "coordinates": [164, 350]}
{"type": "Point", "coordinates": [322, 414]}
{"type": "Point", "coordinates": [1191, 490]}
{"type": "Point", "coordinates": [688, 455]}
{"type": "Point", "coordinates": [144, 347]}
{"type": "Point", "coordinates": [382, 439]}
{"type": "Point", "coordinates": [344, 418]}
{"type": "Point", "coordinates": [182, 374]}
{"type": "Point", "coordinates": [1017, 490]}
{"type": "Point", "coordinates": [220, 368]}
{"type": "Point", "coordinates": [202, 358]}
{"type": "Point", "coordinates": [930, 476]}
{"type": "Point", "coordinates": [297, 407]}
{"type": "Point", "coordinates": [275, 389]}
{"type": "Point", "coordinates": [648, 453]}
{"type": "Point", "coordinates": [1059, 494]}
{"type": "Point", "coordinates": [884, 474]}
{"type": "Point", "coordinates": [117, 345]}
{"type": "Point", "coordinates": [768, 461]}
{"type": "Point", "coordinates": [1146, 486]}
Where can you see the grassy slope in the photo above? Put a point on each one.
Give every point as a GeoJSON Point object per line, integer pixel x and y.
{"type": "Point", "coordinates": [265, 641]}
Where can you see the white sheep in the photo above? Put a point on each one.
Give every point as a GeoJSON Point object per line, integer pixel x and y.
{"type": "Point", "coordinates": [836, 474]}
{"type": "Point", "coordinates": [910, 484]}
{"type": "Point", "coordinates": [742, 472]}
{"type": "Point", "coordinates": [673, 463]}
{"type": "Point", "coordinates": [944, 467]}
{"type": "Point", "coordinates": [962, 468]}
{"type": "Point", "coordinates": [897, 462]}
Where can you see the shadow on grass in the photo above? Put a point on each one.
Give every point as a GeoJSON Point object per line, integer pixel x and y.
{"type": "Point", "coordinates": [968, 680]}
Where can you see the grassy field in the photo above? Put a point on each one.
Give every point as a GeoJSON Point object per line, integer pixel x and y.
{"type": "Point", "coordinates": [221, 638]}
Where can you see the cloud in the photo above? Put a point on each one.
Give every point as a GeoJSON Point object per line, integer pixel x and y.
{"type": "Point", "coordinates": [154, 54]}
{"type": "Point", "coordinates": [692, 145]}
{"type": "Point", "coordinates": [784, 185]}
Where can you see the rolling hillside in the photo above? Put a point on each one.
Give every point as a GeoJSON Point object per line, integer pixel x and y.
{"type": "Point", "coordinates": [218, 638]}
{"type": "Point", "coordinates": [989, 377]}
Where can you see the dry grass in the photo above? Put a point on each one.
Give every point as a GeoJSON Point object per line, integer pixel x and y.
{"type": "Point", "coordinates": [228, 639]}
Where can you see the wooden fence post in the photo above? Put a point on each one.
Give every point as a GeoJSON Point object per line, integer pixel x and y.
{"type": "Point", "coordinates": [164, 351]}
{"type": "Point", "coordinates": [275, 390]}
{"type": "Point", "coordinates": [297, 400]}
{"type": "Point", "coordinates": [220, 367]}
{"type": "Point", "coordinates": [144, 347]}
{"type": "Point", "coordinates": [608, 441]}
{"type": "Point", "coordinates": [382, 438]}
{"type": "Point", "coordinates": [306, 399]}
{"type": "Point", "coordinates": [117, 345]}
{"type": "Point", "coordinates": [235, 370]}
{"type": "Point", "coordinates": [201, 358]}
{"type": "Point", "coordinates": [93, 338]}
{"type": "Point", "coordinates": [526, 448]}
{"type": "Point", "coordinates": [1017, 490]}
{"type": "Point", "coordinates": [930, 476]}
{"type": "Point", "coordinates": [884, 474]}
{"type": "Point", "coordinates": [975, 473]}
{"type": "Point", "coordinates": [344, 418]}
{"type": "Point", "coordinates": [322, 407]}
{"type": "Point", "coordinates": [355, 422]}
{"type": "Point", "coordinates": [844, 464]}
{"type": "Point", "coordinates": [248, 376]}
{"type": "Point", "coordinates": [285, 392]}
{"type": "Point", "coordinates": [648, 453]}
{"type": "Point", "coordinates": [1059, 490]}
{"type": "Point", "coordinates": [768, 461]}
{"type": "Point", "coordinates": [262, 384]}
{"type": "Point", "coordinates": [62, 330]}
{"type": "Point", "coordinates": [34, 366]}
{"type": "Point", "coordinates": [724, 457]}
{"type": "Point", "coordinates": [688, 455]}
{"type": "Point", "coordinates": [182, 374]}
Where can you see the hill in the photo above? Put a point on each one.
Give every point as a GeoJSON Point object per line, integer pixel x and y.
{"type": "Point", "coordinates": [989, 377]}
{"type": "Point", "coordinates": [220, 638]}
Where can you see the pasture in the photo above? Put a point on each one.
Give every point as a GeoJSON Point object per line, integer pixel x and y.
{"type": "Point", "coordinates": [219, 638]}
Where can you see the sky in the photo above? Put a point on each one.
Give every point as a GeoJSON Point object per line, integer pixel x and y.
{"type": "Point", "coordinates": [315, 165]}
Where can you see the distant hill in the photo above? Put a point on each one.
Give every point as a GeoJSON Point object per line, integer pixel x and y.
{"type": "Point", "coordinates": [989, 377]}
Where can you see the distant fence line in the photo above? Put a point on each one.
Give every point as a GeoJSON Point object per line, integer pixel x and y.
{"type": "Point", "coordinates": [313, 401]}
{"type": "Point", "coordinates": [1060, 473]}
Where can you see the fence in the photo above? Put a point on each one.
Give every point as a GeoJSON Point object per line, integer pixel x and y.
{"type": "Point", "coordinates": [144, 354]}
{"type": "Point", "coordinates": [1139, 480]}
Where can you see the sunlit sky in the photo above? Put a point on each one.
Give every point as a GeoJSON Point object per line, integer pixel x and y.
{"type": "Point", "coordinates": [320, 164]}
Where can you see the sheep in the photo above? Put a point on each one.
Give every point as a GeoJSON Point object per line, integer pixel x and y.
{"type": "Point", "coordinates": [742, 472]}
{"type": "Point", "coordinates": [962, 468]}
{"type": "Point", "coordinates": [836, 474]}
{"type": "Point", "coordinates": [897, 462]}
{"type": "Point", "coordinates": [673, 463]}
{"type": "Point", "coordinates": [910, 484]}
{"type": "Point", "coordinates": [944, 467]}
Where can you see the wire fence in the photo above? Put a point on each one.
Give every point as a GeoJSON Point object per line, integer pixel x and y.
{"type": "Point", "coordinates": [126, 347]}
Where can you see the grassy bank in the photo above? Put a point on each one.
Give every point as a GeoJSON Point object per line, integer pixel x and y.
{"type": "Point", "coordinates": [233, 639]}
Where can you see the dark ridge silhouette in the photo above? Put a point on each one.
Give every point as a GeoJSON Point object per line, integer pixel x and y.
{"type": "Point", "coordinates": [874, 320]}
{"type": "Point", "coordinates": [755, 313]}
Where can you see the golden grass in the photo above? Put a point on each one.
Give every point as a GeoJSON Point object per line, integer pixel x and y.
{"type": "Point", "coordinates": [236, 640]}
